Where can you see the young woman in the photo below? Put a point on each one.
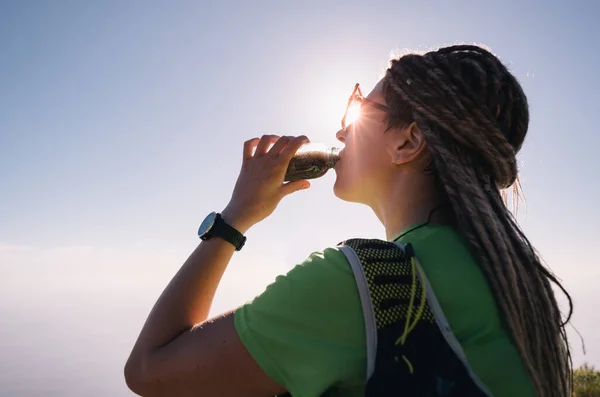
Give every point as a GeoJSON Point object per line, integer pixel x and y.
{"type": "Point", "coordinates": [435, 143]}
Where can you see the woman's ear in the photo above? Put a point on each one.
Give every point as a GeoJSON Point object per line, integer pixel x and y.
{"type": "Point", "coordinates": [406, 144]}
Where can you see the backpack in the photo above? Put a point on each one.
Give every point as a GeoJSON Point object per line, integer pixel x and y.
{"type": "Point", "coordinates": [411, 350]}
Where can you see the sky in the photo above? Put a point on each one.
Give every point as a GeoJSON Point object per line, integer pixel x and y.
{"type": "Point", "coordinates": [122, 124]}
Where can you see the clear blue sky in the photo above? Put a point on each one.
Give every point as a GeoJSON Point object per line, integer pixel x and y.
{"type": "Point", "coordinates": [121, 125]}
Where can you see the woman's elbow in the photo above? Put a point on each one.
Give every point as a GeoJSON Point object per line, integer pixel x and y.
{"type": "Point", "coordinates": [135, 378]}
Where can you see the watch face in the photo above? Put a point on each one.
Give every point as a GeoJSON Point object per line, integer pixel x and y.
{"type": "Point", "coordinates": [207, 223]}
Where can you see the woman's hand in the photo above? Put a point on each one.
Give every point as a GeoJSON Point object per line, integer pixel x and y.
{"type": "Point", "coordinates": [260, 186]}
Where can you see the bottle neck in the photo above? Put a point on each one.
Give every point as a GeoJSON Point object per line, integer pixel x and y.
{"type": "Point", "coordinates": [334, 156]}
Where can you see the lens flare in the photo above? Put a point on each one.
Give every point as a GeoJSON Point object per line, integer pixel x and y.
{"type": "Point", "coordinates": [353, 113]}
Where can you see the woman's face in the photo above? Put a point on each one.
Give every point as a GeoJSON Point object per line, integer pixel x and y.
{"type": "Point", "coordinates": [366, 161]}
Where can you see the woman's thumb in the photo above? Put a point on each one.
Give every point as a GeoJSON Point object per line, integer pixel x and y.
{"type": "Point", "coordinates": [294, 186]}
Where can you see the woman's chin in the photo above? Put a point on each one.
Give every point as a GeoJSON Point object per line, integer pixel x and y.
{"type": "Point", "coordinates": [341, 191]}
{"type": "Point", "coordinates": [350, 192]}
{"type": "Point", "coordinates": [337, 188]}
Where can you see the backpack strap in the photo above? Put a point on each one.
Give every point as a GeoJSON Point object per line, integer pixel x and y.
{"type": "Point", "coordinates": [410, 346]}
{"type": "Point", "coordinates": [367, 304]}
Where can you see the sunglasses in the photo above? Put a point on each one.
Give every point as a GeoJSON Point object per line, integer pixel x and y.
{"type": "Point", "coordinates": [354, 103]}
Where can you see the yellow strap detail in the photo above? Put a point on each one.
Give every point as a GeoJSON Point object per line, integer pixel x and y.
{"type": "Point", "coordinates": [423, 296]}
{"type": "Point", "coordinates": [410, 367]}
{"type": "Point", "coordinates": [413, 288]}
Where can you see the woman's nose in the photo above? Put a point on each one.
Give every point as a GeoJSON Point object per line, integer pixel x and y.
{"type": "Point", "coordinates": [341, 135]}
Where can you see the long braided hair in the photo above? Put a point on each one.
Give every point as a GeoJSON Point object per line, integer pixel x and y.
{"type": "Point", "coordinates": [474, 116]}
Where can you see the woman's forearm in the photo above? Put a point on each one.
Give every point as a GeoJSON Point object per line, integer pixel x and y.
{"type": "Point", "coordinates": [187, 299]}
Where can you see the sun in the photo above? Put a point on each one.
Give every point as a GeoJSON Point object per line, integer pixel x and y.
{"type": "Point", "coordinates": [353, 113]}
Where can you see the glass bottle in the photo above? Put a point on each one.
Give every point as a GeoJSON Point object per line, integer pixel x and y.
{"type": "Point", "coordinates": [312, 161]}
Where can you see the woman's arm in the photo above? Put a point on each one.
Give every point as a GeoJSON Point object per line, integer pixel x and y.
{"type": "Point", "coordinates": [178, 352]}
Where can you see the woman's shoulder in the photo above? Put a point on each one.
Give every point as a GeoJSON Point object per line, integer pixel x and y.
{"type": "Point", "coordinates": [332, 260]}
{"type": "Point", "coordinates": [306, 329]}
{"type": "Point", "coordinates": [329, 259]}
{"type": "Point", "coordinates": [323, 276]}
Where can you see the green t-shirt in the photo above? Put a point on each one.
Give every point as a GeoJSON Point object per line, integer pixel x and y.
{"type": "Point", "coordinates": [307, 332]}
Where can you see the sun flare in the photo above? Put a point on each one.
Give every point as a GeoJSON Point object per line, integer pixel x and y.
{"type": "Point", "coordinates": [353, 113]}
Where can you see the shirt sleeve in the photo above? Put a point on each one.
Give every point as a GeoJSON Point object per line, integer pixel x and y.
{"type": "Point", "coordinates": [306, 330]}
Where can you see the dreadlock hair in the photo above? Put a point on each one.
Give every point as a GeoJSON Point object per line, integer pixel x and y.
{"type": "Point", "coordinates": [474, 117]}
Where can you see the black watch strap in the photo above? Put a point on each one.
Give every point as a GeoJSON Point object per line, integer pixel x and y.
{"type": "Point", "coordinates": [228, 233]}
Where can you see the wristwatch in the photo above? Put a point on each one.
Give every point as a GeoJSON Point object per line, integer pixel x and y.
{"type": "Point", "coordinates": [215, 226]}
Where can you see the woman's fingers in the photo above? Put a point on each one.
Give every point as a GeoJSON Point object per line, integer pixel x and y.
{"type": "Point", "coordinates": [292, 187]}
{"type": "Point", "coordinates": [265, 142]}
{"type": "Point", "coordinates": [280, 145]}
{"type": "Point", "coordinates": [278, 157]}
{"type": "Point", "coordinates": [249, 147]}
{"type": "Point", "coordinates": [292, 147]}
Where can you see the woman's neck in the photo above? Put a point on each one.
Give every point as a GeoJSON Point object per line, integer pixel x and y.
{"type": "Point", "coordinates": [411, 203]}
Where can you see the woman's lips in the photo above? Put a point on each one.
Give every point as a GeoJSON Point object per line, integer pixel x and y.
{"type": "Point", "coordinates": [340, 157]}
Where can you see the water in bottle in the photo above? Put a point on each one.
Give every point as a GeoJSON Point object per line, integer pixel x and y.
{"type": "Point", "coordinates": [311, 161]}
